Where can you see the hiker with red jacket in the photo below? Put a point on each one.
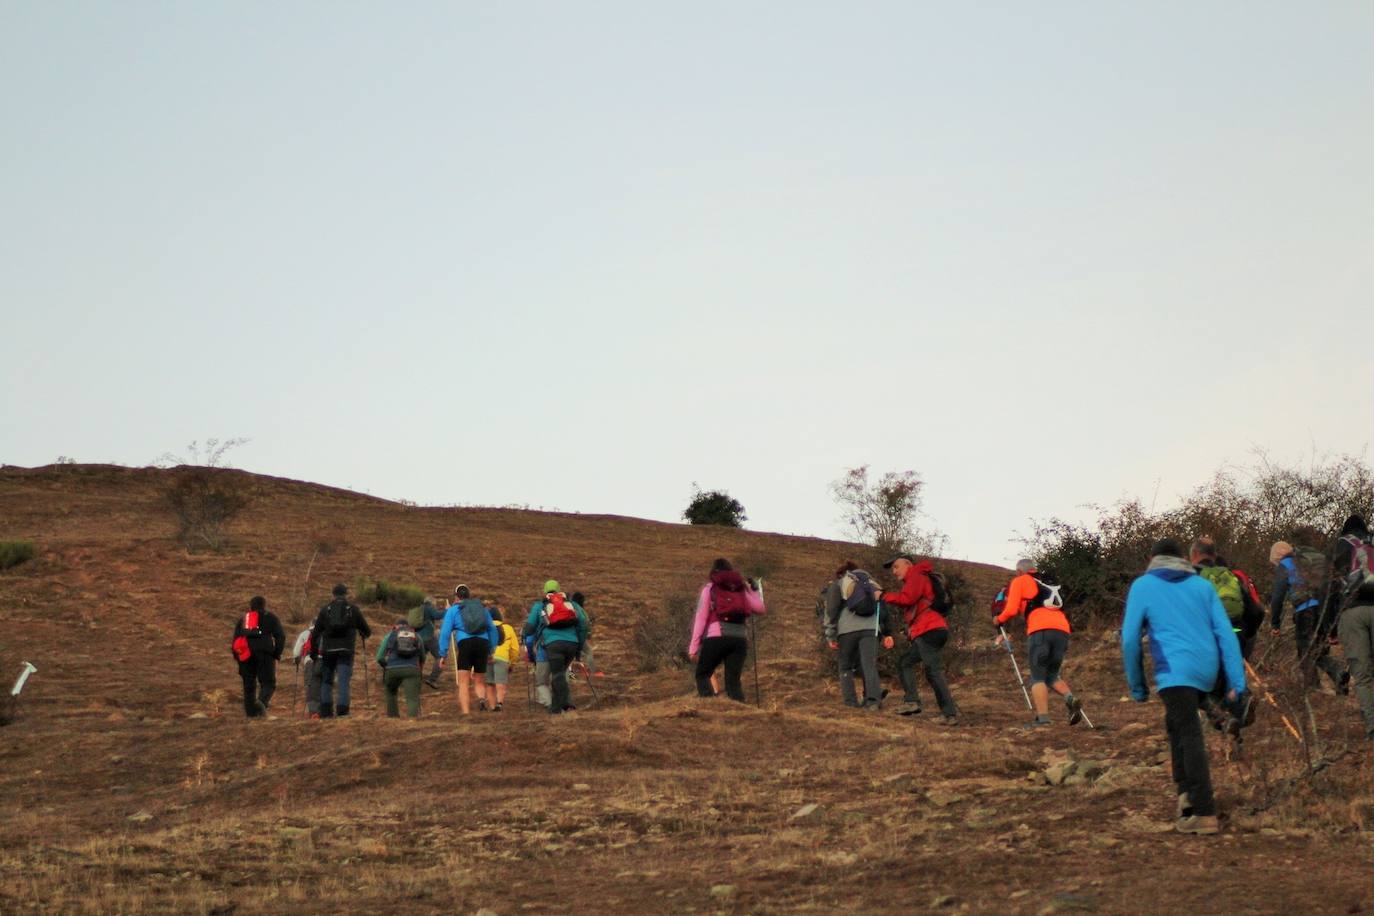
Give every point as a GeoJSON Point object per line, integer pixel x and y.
{"type": "Point", "coordinates": [928, 632]}
{"type": "Point", "coordinates": [1047, 639]}
{"type": "Point", "coordinates": [719, 632]}
{"type": "Point", "coordinates": [257, 646]}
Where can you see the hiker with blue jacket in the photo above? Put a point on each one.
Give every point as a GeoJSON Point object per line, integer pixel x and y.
{"type": "Point", "coordinates": [1190, 640]}
{"type": "Point", "coordinates": [854, 621]}
{"type": "Point", "coordinates": [402, 657]}
{"type": "Point", "coordinates": [1303, 575]}
{"type": "Point", "coordinates": [559, 626]}
{"type": "Point", "coordinates": [470, 631]}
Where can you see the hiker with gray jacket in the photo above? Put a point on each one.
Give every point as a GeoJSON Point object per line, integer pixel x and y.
{"type": "Point", "coordinates": [853, 623]}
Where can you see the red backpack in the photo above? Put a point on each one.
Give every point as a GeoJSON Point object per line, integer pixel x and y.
{"type": "Point", "coordinates": [559, 613]}
{"type": "Point", "coordinates": [251, 627]}
{"type": "Point", "coordinates": [729, 598]}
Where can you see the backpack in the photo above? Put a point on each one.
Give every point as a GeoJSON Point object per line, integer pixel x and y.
{"type": "Point", "coordinates": [941, 603]}
{"type": "Point", "coordinates": [859, 593]}
{"type": "Point", "coordinates": [407, 642]}
{"type": "Point", "coordinates": [1361, 573]}
{"type": "Point", "coordinates": [558, 612]}
{"type": "Point", "coordinates": [416, 616]}
{"type": "Point", "coordinates": [729, 601]}
{"type": "Point", "coordinates": [1314, 574]}
{"type": "Point", "coordinates": [252, 624]}
{"type": "Point", "coordinates": [1228, 589]}
{"type": "Point", "coordinates": [1050, 595]}
{"type": "Point", "coordinates": [473, 615]}
{"type": "Point", "coordinates": [338, 618]}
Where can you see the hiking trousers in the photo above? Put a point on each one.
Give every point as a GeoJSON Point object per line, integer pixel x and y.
{"type": "Point", "coordinates": [925, 651]}
{"type": "Point", "coordinates": [408, 680]}
{"type": "Point", "coordinates": [561, 654]}
{"type": "Point", "coordinates": [1304, 633]}
{"type": "Point", "coordinates": [543, 693]}
{"type": "Point", "coordinates": [432, 648]}
{"type": "Point", "coordinates": [858, 656]}
{"type": "Point", "coordinates": [732, 652]}
{"type": "Point", "coordinates": [1189, 754]}
{"type": "Point", "coordinates": [336, 671]}
{"type": "Point", "coordinates": [311, 672]}
{"type": "Point", "coordinates": [1357, 639]}
{"type": "Point", "coordinates": [259, 676]}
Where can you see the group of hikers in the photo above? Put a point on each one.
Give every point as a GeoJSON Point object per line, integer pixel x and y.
{"type": "Point", "coordinates": [1199, 615]}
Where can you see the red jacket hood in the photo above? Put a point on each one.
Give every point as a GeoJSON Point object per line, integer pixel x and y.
{"type": "Point", "coordinates": [924, 567]}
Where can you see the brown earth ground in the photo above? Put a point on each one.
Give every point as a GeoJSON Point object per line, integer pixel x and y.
{"type": "Point", "coordinates": [131, 782]}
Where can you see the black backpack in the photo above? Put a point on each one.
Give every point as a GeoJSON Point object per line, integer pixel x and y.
{"type": "Point", "coordinates": [863, 595]}
{"type": "Point", "coordinates": [338, 618]}
{"type": "Point", "coordinates": [941, 603]}
{"type": "Point", "coordinates": [407, 642]}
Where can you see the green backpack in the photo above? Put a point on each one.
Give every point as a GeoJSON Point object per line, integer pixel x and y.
{"type": "Point", "coordinates": [1228, 590]}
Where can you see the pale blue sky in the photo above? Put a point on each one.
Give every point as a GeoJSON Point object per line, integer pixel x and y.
{"type": "Point", "coordinates": [584, 254]}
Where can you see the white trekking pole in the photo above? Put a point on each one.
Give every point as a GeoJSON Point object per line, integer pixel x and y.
{"type": "Point", "coordinates": [1006, 641]}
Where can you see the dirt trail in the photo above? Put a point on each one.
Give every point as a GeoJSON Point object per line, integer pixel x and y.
{"type": "Point", "coordinates": [132, 782]}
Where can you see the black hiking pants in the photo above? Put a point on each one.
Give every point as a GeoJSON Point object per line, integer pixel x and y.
{"type": "Point", "coordinates": [732, 650]}
{"type": "Point", "coordinates": [925, 651]}
{"type": "Point", "coordinates": [561, 654]}
{"type": "Point", "coordinates": [1314, 657]}
{"type": "Point", "coordinates": [1191, 773]}
{"type": "Point", "coordinates": [858, 656]}
{"type": "Point", "coordinates": [259, 675]}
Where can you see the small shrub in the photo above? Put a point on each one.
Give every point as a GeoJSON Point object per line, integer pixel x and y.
{"type": "Point", "coordinates": [204, 504]}
{"type": "Point", "coordinates": [394, 596]}
{"type": "Point", "coordinates": [661, 637]}
{"type": "Point", "coordinates": [12, 553]}
{"type": "Point", "coordinates": [715, 507]}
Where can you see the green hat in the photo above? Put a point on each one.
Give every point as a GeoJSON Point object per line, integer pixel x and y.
{"type": "Point", "coordinates": [551, 586]}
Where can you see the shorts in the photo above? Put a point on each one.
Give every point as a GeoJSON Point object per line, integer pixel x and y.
{"type": "Point", "coordinates": [1047, 649]}
{"type": "Point", "coordinates": [472, 654]}
{"type": "Point", "coordinates": [499, 673]}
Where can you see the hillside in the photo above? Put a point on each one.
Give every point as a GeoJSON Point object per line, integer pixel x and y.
{"type": "Point", "coordinates": [131, 781]}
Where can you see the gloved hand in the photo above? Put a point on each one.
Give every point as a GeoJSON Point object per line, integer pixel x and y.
{"type": "Point", "coordinates": [833, 645]}
{"type": "Point", "coordinates": [888, 642]}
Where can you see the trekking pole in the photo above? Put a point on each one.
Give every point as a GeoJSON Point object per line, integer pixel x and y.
{"type": "Point", "coordinates": [754, 635]}
{"type": "Point", "coordinates": [295, 687]}
{"type": "Point", "coordinates": [367, 678]}
{"type": "Point", "coordinates": [1006, 641]}
{"type": "Point", "coordinates": [1272, 702]}
{"type": "Point", "coordinates": [587, 673]}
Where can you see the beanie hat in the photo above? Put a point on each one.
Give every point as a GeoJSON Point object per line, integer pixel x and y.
{"type": "Point", "coordinates": [340, 590]}
{"type": "Point", "coordinates": [1280, 550]}
{"type": "Point", "coordinates": [258, 603]}
{"type": "Point", "coordinates": [1167, 547]}
{"type": "Point", "coordinates": [551, 586]}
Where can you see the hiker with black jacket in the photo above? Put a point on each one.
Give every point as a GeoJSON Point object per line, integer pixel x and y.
{"type": "Point", "coordinates": [332, 643]}
{"type": "Point", "coordinates": [257, 646]}
{"type": "Point", "coordinates": [853, 623]}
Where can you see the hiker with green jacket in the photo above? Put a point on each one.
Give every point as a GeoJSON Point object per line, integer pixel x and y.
{"type": "Point", "coordinates": [402, 657]}
{"type": "Point", "coordinates": [560, 628]}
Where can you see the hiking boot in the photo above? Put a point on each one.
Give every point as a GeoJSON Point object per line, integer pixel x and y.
{"type": "Point", "coordinates": [1344, 687]}
{"type": "Point", "coordinates": [340, 712]}
{"type": "Point", "coordinates": [909, 709]}
{"type": "Point", "coordinates": [949, 720]}
{"type": "Point", "coordinates": [871, 705]}
{"type": "Point", "coordinates": [497, 707]}
{"type": "Point", "coordinates": [314, 717]}
{"type": "Point", "coordinates": [1233, 727]}
{"type": "Point", "coordinates": [482, 705]}
{"type": "Point", "coordinates": [1075, 707]}
{"type": "Point", "coordinates": [432, 683]}
{"type": "Point", "coordinates": [852, 704]}
{"type": "Point", "coordinates": [1199, 824]}
{"type": "Point", "coordinates": [1037, 722]}
{"type": "Point", "coordinates": [1185, 806]}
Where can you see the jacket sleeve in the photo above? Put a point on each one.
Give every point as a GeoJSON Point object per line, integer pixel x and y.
{"type": "Point", "coordinates": [445, 632]}
{"type": "Point", "coordinates": [493, 635]}
{"type": "Point", "coordinates": [361, 622]}
{"type": "Point", "coordinates": [1227, 643]}
{"type": "Point", "coordinates": [382, 650]}
{"type": "Point", "coordinates": [833, 602]}
{"type": "Point", "coordinates": [1276, 597]}
{"type": "Point", "coordinates": [1252, 612]}
{"type": "Point", "coordinates": [1131, 655]}
{"type": "Point", "coordinates": [755, 600]}
{"type": "Point", "coordinates": [532, 621]}
{"type": "Point", "coordinates": [316, 632]}
{"type": "Point", "coordinates": [278, 638]}
{"type": "Point", "coordinates": [699, 621]}
{"type": "Point", "coordinates": [1017, 599]}
{"type": "Point", "coordinates": [584, 629]}
{"type": "Point", "coordinates": [916, 587]}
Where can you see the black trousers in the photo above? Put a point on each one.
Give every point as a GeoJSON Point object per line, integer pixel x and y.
{"type": "Point", "coordinates": [561, 654]}
{"type": "Point", "coordinates": [1191, 773]}
{"type": "Point", "coordinates": [259, 675]}
{"type": "Point", "coordinates": [925, 651]}
{"type": "Point", "coordinates": [732, 650]}
{"type": "Point", "coordinates": [1318, 656]}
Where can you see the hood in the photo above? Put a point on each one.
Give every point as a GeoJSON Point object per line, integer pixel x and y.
{"type": "Point", "coordinates": [1170, 569]}
{"type": "Point", "coordinates": [1355, 525]}
{"type": "Point", "coordinates": [925, 567]}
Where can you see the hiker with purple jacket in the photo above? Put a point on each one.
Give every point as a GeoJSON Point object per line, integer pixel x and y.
{"type": "Point", "coordinates": [719, 631]}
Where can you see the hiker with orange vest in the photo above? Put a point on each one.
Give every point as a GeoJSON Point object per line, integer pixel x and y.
{"type": "Point", "coordinates": [257, 646]}
{"type": "Point", "coordinates": [928, 631]}
{"type": "Point", "coordinates": [1047, 639]}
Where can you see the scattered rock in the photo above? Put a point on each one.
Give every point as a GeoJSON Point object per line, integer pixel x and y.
{"type": "Point", "coordinates": [943, 900]}
{"type": "Point", "coordinates": [1075, 779]}
{"type": "Point", "coordinates": [484, 912]}
{"type": "Point", "coordinates": [142, 817]}
{"type": "Point", "coordinates": [1133, 728]}
{"type": "Point", "coordinates": [808, 812]}
{"type": "Point", "coordinates": [1017, 895]}
{"type": "Point", "coordinates": [197, 715]}
{"type": "Point", "coordinates": [581, 787]}
{"type": "Point", "coordinates": [1106, 842]}
{"type": "Point", "coordinates": [942, 798]}
{"type": "Point", "coordinates": [1056, 773]}
{"type": "Point", "coordinates": [1067, 903]}
{"type": "Point", "coordinates": [902, 782]}
{"type": "Point", "coordinates": [722, 891]}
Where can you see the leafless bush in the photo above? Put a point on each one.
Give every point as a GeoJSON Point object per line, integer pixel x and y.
{"type": "Point", "coordinates": [660, 636]}
{"type": "Point", "coordinates": [885, 512]}
{"type": "Point", "coordinates": [204, 503]}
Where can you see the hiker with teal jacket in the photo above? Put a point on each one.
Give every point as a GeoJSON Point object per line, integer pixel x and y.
{"type": "Point", "coordinates": [559, 626]}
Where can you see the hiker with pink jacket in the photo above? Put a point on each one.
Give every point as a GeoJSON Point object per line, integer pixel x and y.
{"type": "Point", "coordinates": [719, 630]}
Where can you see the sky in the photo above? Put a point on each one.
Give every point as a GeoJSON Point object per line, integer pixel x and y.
{"type": "Point", "coordinates": [585, 255]}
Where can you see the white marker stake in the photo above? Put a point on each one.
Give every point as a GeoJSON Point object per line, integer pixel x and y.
{"type": "Point", "coordinates": [23, 678]}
